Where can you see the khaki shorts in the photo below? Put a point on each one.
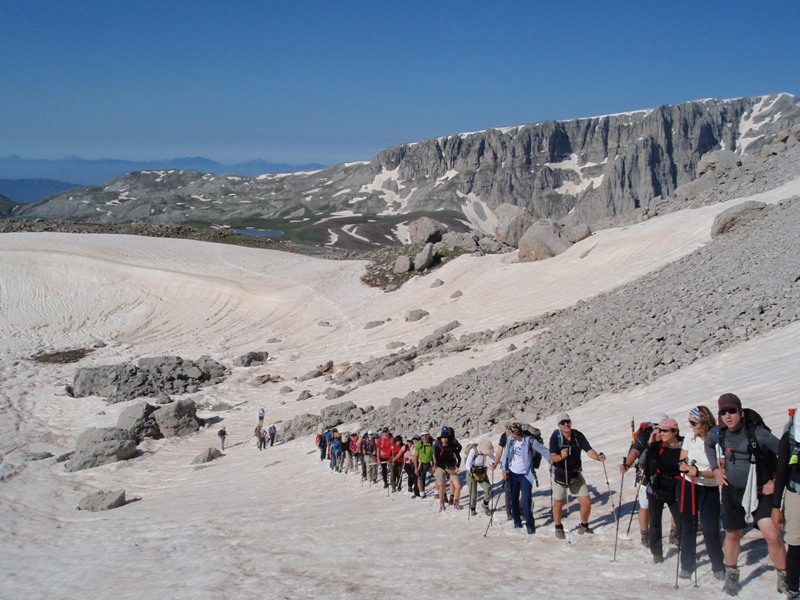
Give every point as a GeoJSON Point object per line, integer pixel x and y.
{"type": "Point", "coordinates": [577, 487]}
{"type": "Point", "coordinates": [441, 476]}
{"type": "Point", "coordinates": [791, 514]}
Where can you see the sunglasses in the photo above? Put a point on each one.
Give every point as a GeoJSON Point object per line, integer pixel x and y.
{"type": "Point", "coordinates": [667, 430]}
{"type": "Point", "coordinates": [694, 423]}
{"type": "Point", "coordinates": [729, 411]}
{"type": "Point", "coordinates": [565, 422]}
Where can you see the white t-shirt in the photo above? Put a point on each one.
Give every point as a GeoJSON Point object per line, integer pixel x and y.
{"type": "Point", "coordinates": [695, 446]}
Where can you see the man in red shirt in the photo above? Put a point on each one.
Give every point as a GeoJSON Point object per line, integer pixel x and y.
{"type": "Point", "coordinates": [385, 446]}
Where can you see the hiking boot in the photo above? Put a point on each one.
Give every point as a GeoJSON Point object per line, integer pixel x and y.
{"type": "Point", "coordinates": [719, 575]}
{"type": "Point", "coordinates": [486, 509]}
{"type": "Point", "coordinates": [423, 495]}
{"type": "Point", "coordinates": [457, 506]}
{"type": "Point", "coordinates": [684, 574]}
{"type": "Point", "coordinates": [531, 530]}
{"type": "Point", "coordinates": [585, 529]}
{"type": "Point", "coordinates": [783, 587]}
{"type": "Point", "coordinates": [473, 512]}
{"type": "Point", "coordinates": [385, 485]}
{"type": "Point", "coordinates": [674, 538]}
{"type": "Point", "coordinates": [442, 507]}
{"type": "Point", "coordinates": [645, 538]}
{"type": "Point", "coordinates": [792, 595]}
{"type": "Point", "coordinates": [658, 558]}
{"type": "Point", "coordinates": [451, 499]}
{"type": "Point", "coordinates": [732, 585]}
{"type": "Point", "coordinates": [517, 525]}
{"type": "Point", "coordinates": [560, 535]}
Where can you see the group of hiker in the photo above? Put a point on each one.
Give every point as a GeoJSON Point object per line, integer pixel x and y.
{"type": "Point", "coordinates": [728, 472]}
{"type": "Point", "coordinates": [264, 433]}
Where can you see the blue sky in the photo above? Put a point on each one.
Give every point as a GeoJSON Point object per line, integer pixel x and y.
{"type": "Point", "coordinates": [337, 81]}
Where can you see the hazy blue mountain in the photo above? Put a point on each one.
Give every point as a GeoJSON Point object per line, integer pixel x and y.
{"type": "Point", "coordinates": [30, 190]}
{"type": "Point", "coordinates": [87, 172]}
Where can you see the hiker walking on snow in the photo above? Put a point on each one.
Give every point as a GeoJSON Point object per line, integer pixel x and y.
{"type": "Point", "coordinates": [700, 500]}
{"type": "Point", "coordinates": [423, 461]}
{"type": "Point", "coordinates": [517, 462]}
{"type": "Point", "coordinates": [498, 454]}
{"type": "Point", "coordinates": [788, 478]}
{"type": "Point", "coordinates": [479, 459]}
{"type": "Point", "coordinates": [408, 466]}
{"type": "Point", "coordinates": [396, 462]}
{"type": "Point", "coordinates": [566, 444]}
{"type": "Point", "coordinates": [742, 437]}
{"type": "Point", "coordinates": [385, 445]}
{"type": "Point", "coordinates": [261, 414]}
{"type": "Point", "coordinates": [368, 452]}
{"type": "Point", "coordinates": [272, 431]}
{"type": "Point", "coordinates": [222, 435]}
{"type": "Point", "coordinates": [261, 435]}
{"type": "Point", "coordinates": [446, 468]}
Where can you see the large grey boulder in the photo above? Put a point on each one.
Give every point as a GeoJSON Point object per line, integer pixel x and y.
{"type": "Point", "coordinates": [207, 456]}
{"type": "Point", "coordinates": [718, 161]}
{"type": "Point", "coordinates": [402, 265]}
{"type": "Point", "coordinates": [512, 223]}
{"type": "Point", "coordinates": [460, 242]}
{"type": "Point", "coordinates": [139, 419]}
{"type": "Point", "coordinates": [177, 419]}
{"type": "Point", "coordinates": [100, 446]}
{"type": "Point", "coordinates": [544, 239]}
{"type": "Point", "coordinates": [340, 413]}
{"type": "Point", "coordinates": [425, 230]}
{"type": "Point", "coordinates": [251, 359]}
{"type": "Point", "coordinates": [424, 258]}
{"type": "Point", "coordinates": [736, 215]}
{"type": "Point", "coordinates": [102, 501]}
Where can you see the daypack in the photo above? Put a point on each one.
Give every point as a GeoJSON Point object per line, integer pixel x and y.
{"type": "Point", "coordinates": [478, 473]}
{"type": "Point", "coordinates": [272, 430]}
{"type": "Point", "coordinates": [765, 460]}
{"type": "Point", "coordinates": [450, 434]}
{"type": "Point", "coordinates": [536, 434]}
{"type": "Point", "coordinates": [793, 479]}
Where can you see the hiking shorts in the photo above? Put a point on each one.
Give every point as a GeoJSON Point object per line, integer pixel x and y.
{"type": "Point", "coordinates": [644, 503]}
{"type": "Point", "coordinates": [577, 487]}
{"type": "Point", "coordinates": [733, 511]}
{"type": "Point", "coordinates": [441, 476]}
{"type": "Point", "coordinates": [791, 513]}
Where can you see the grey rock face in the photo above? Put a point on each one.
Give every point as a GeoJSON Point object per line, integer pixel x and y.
{"type": "Point", "coordinates": [100, 446]}
{"type": "Point", "coordinates": [102, 501]}
{"type": "Point", "coordinates": [177, 419]}
{"type": "Point", "coordinates": [425, 230]}
{"type": "Point", "coordinates": [340, 413]}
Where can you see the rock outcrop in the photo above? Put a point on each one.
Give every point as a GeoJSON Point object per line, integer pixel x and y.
{"type": "Point", "coordinates": [100, 446]}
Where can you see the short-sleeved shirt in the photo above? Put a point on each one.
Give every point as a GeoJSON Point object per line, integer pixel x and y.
{"type": "Point", "coordinates": [577, 443]}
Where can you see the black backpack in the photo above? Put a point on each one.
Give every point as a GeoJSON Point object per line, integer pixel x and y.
{"type": "Point", "coordinates": [536, 434]}
{"type": "Point", "coordinates": [766, 461]}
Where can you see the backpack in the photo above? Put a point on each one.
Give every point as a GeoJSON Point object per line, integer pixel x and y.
{"type": "Point", "coordinates": [765, 460]}
{"type": "Point", "coordinates": [536, 434]}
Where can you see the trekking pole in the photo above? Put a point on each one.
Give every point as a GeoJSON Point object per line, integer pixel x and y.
{"type": "Point", "coordinates": [496, 502]}
{"type": "Point", "coordinates": [694, 525]}
{"type": "Point", "coordinates": [635, 504]}
{"type": "Point", "coordinates": [616, 535]}
{"type": "Point", "coordinates": [566, 504]}
{"type": "Point", "coordinates": [680, 529]}
{"type": "Point", "coordinates": [610, 495]}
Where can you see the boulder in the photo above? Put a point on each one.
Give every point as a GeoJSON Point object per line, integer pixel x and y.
{"type": "Point", "coordinates": [542, 240]}
{"type": "Point", "coordinates": [512, 223]}
{"type": "Point", "coordinates": [416, 315]}
{"type": "Point", "coordinates": [460, 242]}
{"type": "Point", "coordinates": [718, 161]}
{"type": "Point", "coordinates": [491, 246]}
{"type": "Point", "coordinates": [177, 419]}
{"type": "Point", "coordinates": [207, 456]}
{"type": "Point", "coordinates": [425, 230]}
{"type": "Point", "coordinates": [424, 258]}
{"type": "Point", "coordinates": [100, 446]}
{"type": "Point", "coordinates": [251, 359]}
{"type": "Point", "coordinates": [102, 501]}
{"type": "Point", "coordinates": [578, 233]}
{"type": "Point", "coordinates": [735, 215]}
{"type": "Point", "coordinates": [402, 265]}
{"type": "Point", "coordinates": [139, 419]}
{"type": "Point", "coordinates": [373, 324]}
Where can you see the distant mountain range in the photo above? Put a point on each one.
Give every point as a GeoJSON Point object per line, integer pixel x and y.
{"type": "Point", "coordinates": [89, 172]}
{"type": "Point", "coordinates": [30, 190]}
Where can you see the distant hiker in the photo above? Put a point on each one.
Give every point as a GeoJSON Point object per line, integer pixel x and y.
{"type": "Point", "coordinates": [479, 459]}
{"type": "Point", "coordinates": [272, 431]}
{"type": "Point", "coordinates": [501, 444]}
{"type": "Point", "coordinates": [641, 439]}
{"type": "Point", "coordinates": [788, 479]}
{"type": "Point", "coordinates": [361, 456]}
{"type": "Point", "coordinates": [261, 436]}
{"type": "Point", "coordinates": [746, 472]}
{"type": "Point", "coordinates": [566, 444]}
{"type": "Point", "coordinates": [336, 451]}
{"type": "Point", "coordinates": [261, 413]}
{"type": "Point", "coordinates": [517, 461]}
{"type": "Point", "coordinates": [423, 460]}
{"type": "Point", "coordinates": [396, 462]}
{"type": "Point", "coordinates": [385, 445]}
{"type": "Point", "coordinates": [322, 444]}
{"type": "Point", "coordinates": [369, 450]}
{"type": "Point", "coordinates": [353, 456]}
{"type": "Point", "coordinates": [408, 466]}
{"type": "Point", "coordinates": [222, 435]}
{"type": "Point", "coordinates": [700, 498]}
{"type": "Point", "coordinates": [446, 468]}
{"type": "Point", "coordinates": [455, 445]}
{"type": "Point", "coordinates": [663, 470]}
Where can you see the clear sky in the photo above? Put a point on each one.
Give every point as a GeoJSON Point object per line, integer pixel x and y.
{"type": "Point", "coordinates": [337, 80]}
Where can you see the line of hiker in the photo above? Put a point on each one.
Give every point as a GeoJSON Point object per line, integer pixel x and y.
{"type": "Point", "coordinates": [727, 473]}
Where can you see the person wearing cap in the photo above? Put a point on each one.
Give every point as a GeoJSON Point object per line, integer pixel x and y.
{"type": "Point", "coordinates": [445, 468]}
{"type": "Point", "coordinates": [396, 462]}
{"type": "Point", "coordinates": [479, 459]}
{"type": "Point", "coordinates": [566, 444]}
{"type": "Point", "coordinates": [517, 462]}
{"type": "Point", "coordinates": [368, 452]}
{"type": "Point", "coordinates": [423, 460]}
{"type": "Point", "coordinates": [663, 469]}
{"type": "Point", "coordinates": [501, 445]}
{"type": "Point", "coordinates": [787, 479]}
{"type": "Point", "coordinates": [641, 439]}
{"type": "Point", "coordinates": [408, 465]}
{"type": "Point", "coordinates": [732, 472]}
{"type": "Point", "coordinates": [353, 449]}
{"type": "Point", "coordinates": [700, 497]}
{"type": "Point", "coordinates": [385, 445]}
